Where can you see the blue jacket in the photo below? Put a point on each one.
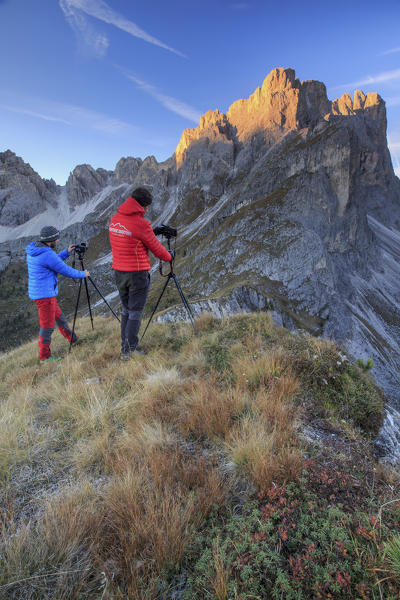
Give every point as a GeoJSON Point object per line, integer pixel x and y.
{"type": "Point", "coordinates": [43, 266]}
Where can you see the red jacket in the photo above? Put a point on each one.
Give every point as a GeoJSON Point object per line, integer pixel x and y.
{"type": "Point", "coordinates": [131, 237]}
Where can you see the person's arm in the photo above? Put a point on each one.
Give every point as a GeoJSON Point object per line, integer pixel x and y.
{"type": "Point", "coordinates": [57, 265]}
{"type": "Point", "coordinates": [64, 254]}
{"type": "Point", "coordinates": [151, 242]}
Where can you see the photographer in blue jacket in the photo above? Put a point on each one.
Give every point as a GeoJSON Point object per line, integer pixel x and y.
{"type": "Point", "coordinates": [44, 265]}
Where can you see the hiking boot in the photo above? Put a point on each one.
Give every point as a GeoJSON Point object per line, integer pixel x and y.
{"type": "Point", "coordinates": [140, 351]}
{"type": "Point", "coordinates": [79, 340]}
{"type": "Point", "coordinates": [51, 359]}
{"type": "Point", "coordinates": [125, 355]}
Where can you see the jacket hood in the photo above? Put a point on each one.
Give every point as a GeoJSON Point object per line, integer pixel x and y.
{"type": "Point", "coordinates": [34, 250]}
{"type": "Point", "coordinates": [131, 207]}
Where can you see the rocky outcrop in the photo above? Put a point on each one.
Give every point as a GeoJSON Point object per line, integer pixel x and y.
{"type": "Point", "coordinates": [281, 104]}
{"type": "Point", "coordinates": [23, 193]}
{"type": "Point", "coordinates": [84, 182]}
{"type": "Point", "coordinates": [126, 169]}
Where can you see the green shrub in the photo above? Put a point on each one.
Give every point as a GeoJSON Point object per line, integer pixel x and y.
{"type": "Point", "coordinates": [352, 396]}
{"type": "Point", "coordinates": [218, 358]}
{"type": "Point", "coordinates": [334, 385]}
{"type": "Point", "coordinates": [367, 366]}
{"type": "Point", "coordinates": [306, 540]}
{"type": "Point", "coordinates": [392, 555]}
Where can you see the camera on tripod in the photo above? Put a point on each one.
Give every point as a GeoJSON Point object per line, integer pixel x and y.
{"type": "Point", "coordinates": [169, 232]}
{"type": "Point", "coordinates": [165, 230]}
{"type": "Point", "coordinates": [80, 249]}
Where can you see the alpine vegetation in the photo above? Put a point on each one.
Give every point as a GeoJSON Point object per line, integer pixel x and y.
{"type": "Point", "coordinates": [238, 463]}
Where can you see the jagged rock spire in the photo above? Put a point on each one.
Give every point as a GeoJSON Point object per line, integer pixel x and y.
{"type": "Point", "coordinates": [282, 103]}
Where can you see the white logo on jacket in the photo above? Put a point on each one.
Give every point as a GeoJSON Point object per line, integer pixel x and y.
{"type": "Point", "coordinates": [122, 231]}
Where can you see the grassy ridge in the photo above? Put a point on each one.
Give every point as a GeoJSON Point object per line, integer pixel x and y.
{"type": "Point", "coordinates": [236, 464]}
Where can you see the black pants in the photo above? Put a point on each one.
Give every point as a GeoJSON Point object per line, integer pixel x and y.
{"type": "Point", "coordinates": [133, 287]}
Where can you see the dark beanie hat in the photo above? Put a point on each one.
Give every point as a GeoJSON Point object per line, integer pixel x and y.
{"type": "Point", "coordinates": [142, 196]}
{"type": "Point", "coordinates": [49, 234]}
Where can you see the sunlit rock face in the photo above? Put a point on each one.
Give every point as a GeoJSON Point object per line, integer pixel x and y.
{"type": "Point", "coordinates": [281, 104]}
{"type": "Point", "coordinates": [287, 201]}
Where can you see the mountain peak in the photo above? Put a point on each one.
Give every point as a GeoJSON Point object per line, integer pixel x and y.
{"type": "Point", "coordinates": [345, 105]}
{"type": "Point", "coordinates": [282, 103]}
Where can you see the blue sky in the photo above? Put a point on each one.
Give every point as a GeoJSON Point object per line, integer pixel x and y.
{"type": "Point", "coordinates": [91, 81]}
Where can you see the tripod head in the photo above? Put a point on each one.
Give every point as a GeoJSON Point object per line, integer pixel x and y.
{"type": "Point", "coordinates": [171, 264]}
{"type": "Point", "coordinates": [166, 230]}
{"type": "Point", "coordinates": [80, 250]}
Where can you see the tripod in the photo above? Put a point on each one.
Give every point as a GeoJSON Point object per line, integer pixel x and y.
{"type": "Point", "coordinates": [169, 276]}
{"type": "Point", "coordinates": [80, 258]}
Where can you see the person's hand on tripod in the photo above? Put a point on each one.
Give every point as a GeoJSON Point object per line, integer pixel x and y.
{"type": "Point", "coordinates": [172, 253]}
{"type": "Point", "coordinates": [87, 274]}
{"type": "Point", "coordinates": [71, 248]}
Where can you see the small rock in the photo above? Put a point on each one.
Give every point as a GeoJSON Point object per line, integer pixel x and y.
{"type": "Point", "coordinates": [91, 380]}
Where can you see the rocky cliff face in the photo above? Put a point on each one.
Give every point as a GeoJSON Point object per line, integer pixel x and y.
{"type": "Point", "coordinates": [23, 193]}
{"type": "Point", "coordinates": [84, 182]}
{"type": "Point", "coordinates": [287, 201]}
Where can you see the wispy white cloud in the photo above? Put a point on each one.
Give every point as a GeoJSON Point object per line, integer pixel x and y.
{"type": "Point", "coordinates": [72, 115]}
{"type": "Point", "coordinates": [172, 104]}
{"type": "Point", "coordinates": [31, 113]}
{"type": "Point", "coordinates": [373, 79]}
{"type": "Point", "coordinates": [91, 41]}
{"type": "Point", "coordinates": [93, 119]}
{"type": "Point", "coordinates": [100, 10]}
{"type": "Point", "coordinates": [391, 51]}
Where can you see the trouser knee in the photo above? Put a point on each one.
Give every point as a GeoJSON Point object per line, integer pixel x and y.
{"type": "Point", "coordinates": [45, 335]}
{"type": "Point", "coordinates": [62, 321]}
{"type": "Point", "coordinates": [134, 315]}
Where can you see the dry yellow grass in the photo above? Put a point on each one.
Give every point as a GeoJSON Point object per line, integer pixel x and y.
{"type": "Point", "coordinates": [152, 506]}
{"type": "Point", "coordinates": [54, 555]}
{"type": "Point", "coordinates": [193, 360]}
{"type": "Point", "coordinates": [220, 580]}
{"type": "Point", "coordinates": [208, 409]}
{"type": "Point", "coordinates": [274, 404]}
{"type": "Point", "coordinates": [253, 371]}
{"type": "Point", "coordinates": [267, 454]}
{"type": "Point", "coordinates": [145, 441]}
{"type": "Point", "coordinates": [205, 322]}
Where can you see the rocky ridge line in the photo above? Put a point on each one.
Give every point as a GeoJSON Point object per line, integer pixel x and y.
{"type": "Point", "coordinates": [281, 104]}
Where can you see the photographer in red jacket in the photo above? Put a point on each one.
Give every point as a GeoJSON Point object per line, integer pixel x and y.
{"type": "Point", "coordinates": [131, 237]}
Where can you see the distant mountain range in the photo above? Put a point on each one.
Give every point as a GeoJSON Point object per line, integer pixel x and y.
{"type": "Point", "coordinates": [288, 202]}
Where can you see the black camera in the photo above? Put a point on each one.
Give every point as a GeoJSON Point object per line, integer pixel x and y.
{"type": "Point", "coordinates": [165, 230]}
{"type": "Point", "coordinates": [80, 249]}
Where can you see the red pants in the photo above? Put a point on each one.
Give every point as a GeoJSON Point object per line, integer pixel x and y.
{"type": "Point", "coordinates": [49, 315]}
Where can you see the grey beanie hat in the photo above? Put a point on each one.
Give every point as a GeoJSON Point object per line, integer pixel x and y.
{"type": "Point", "coordinates": [143, 196]}
{"type": "Point", "coordinates": [49, 234]}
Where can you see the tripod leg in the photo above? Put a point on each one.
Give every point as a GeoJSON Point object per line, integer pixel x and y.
{"type": "Point", "coordinates": [156, 306]}
{"type": "Point", "coordinates": [185, 302]}
{"type": "Point", "coordinates": [99, 292]}
{"type": "Point", "coordinates": [75, 313]}
{"type": "Point", "coordinates": [87, 295]}
{"type": "Point", "coordinates": [88, 300]}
